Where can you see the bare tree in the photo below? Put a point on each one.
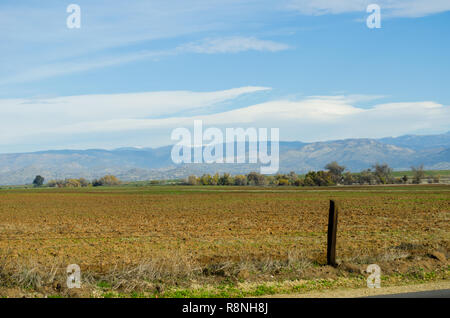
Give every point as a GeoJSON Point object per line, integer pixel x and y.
{"type": "Point", "coordinates": [383, 173]}
{"type": "Point", "coordinates": [418, 174]}
{"type": "Point", "coordinates": [336, 171]}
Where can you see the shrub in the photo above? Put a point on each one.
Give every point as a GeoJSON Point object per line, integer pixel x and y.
{"type": "Point", "coordinates": [215, 179]}
{"type": "Point", "coordinates": [366, 176]}
{"type": "Point", "coordinates": [107, 180]}
{"type": "Point", "coordinates": [240, 180]}
{"type": "Point", "coordinates": [55, 183]}
{"type": "Point", "coordinates": [255, 178]}
{"type": "Point", "coordinates": [319, 178]}
{"type": "Point", "coordinates": [226, 179]}
{"type": "Point", "coordinates": [68, 183]}
{"type": "Point", "coordinates": [192, 180]}
{"type": "Point", "coordinates": [206, 179]}
{"type": "Point", "coordinates": [83, 182]}
{"type": "Point", "coordinates": [72, 183]}
{"type": "Point", "coordinates": [348, 178]}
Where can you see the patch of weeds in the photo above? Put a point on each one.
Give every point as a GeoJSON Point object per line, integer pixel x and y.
{"type": "Point", "coordinates": [104, 285]}
{"type": "Point", "coordinates": [264, 290]}
{"type": "Point", "coordinates": [299, 288]}
{"type": "Point", "coordinates": [179, 294]}
{"type": "Point", "coordinates": [137, 295]}
{"type": "Point", "coordinates": [325, 283]}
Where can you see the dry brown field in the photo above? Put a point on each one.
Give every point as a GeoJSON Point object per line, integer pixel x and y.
{"type": "Point", "coordinates": [215, 232]}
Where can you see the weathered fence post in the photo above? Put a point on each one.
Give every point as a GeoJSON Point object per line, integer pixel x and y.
{"type": "Point", "coordinates": [332, 229]}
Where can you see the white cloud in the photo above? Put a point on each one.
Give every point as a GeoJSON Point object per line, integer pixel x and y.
{"type": "Point", "coordinates": [310, 119]}
{"type": "Point", "coordinates": [391, 8]}
{"type": "Point", "coordinates": [232, 44]}
{"type": "Point", "coordinates": [86, 113]}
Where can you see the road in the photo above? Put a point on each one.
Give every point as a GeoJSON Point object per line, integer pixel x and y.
{"type": "Point", "coordinates": [441, 293]}
{"type": "Point", "coordinates": [440, 289]}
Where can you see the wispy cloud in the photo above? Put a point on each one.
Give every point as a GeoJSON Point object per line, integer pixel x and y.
{"type": "Point", "coordinates": [391, 8]}
{"type": "Point", "coordinates": [234, 44]}
{"type": "Point", "coordinates": [37, 44]}
{"type": "Point", "coordinates": [63, 68]}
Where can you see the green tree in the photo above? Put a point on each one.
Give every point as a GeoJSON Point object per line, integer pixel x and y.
{"type": "Point", "coordinates": [38, 181]}
{"type": "Point", "coordinates": [405, 179]}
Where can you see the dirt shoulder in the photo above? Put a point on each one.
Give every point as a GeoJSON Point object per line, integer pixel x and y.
{"type": "Point", "coordinates": [364, 292]}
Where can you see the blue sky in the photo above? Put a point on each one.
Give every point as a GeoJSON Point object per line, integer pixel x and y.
{"type": "Point", "coordinates": [137, 69]}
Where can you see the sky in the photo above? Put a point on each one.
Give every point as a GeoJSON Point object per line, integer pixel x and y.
{"type": "Point", "coordinates": [135, 70]}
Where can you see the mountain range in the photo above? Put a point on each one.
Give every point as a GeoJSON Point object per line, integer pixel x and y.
{"type": "Point", "coordinates": [132, 164]}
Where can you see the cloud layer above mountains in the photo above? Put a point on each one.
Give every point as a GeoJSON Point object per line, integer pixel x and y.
{"type": "Point", "coordinates": [50, 122]}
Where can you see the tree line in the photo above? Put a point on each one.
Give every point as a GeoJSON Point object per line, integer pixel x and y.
{"type": "Point", "coordinates": [108, 180]}
{"type": "Point", "coordinates": [334, 174]}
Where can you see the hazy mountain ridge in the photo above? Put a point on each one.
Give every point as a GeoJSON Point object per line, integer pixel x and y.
{"type": "Point", "coordinates": [155, 163]}
{"type": "Point", "coordinates": [419, 142]}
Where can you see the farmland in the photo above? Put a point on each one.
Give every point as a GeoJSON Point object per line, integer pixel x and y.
{"type": "Point", "coordinates": [170, 240]}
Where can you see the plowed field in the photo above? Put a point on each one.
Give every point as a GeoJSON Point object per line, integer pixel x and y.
{"type": "Point", "coordinates": [100, 227]}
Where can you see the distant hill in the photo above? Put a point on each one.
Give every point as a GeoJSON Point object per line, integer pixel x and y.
{"type": "Point", "coordinates": [135, 164]}
{"type": "Point", "coordinates": [419, 142]}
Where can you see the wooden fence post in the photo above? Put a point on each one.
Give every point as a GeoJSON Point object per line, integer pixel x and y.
{"type": "Point", "coordinates": [332, 229]}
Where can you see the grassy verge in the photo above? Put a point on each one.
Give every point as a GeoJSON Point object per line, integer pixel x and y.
{"type": "Point", "coordinates": [286, 282]}
{"type": "Point", "coordinates": [255, 289]}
